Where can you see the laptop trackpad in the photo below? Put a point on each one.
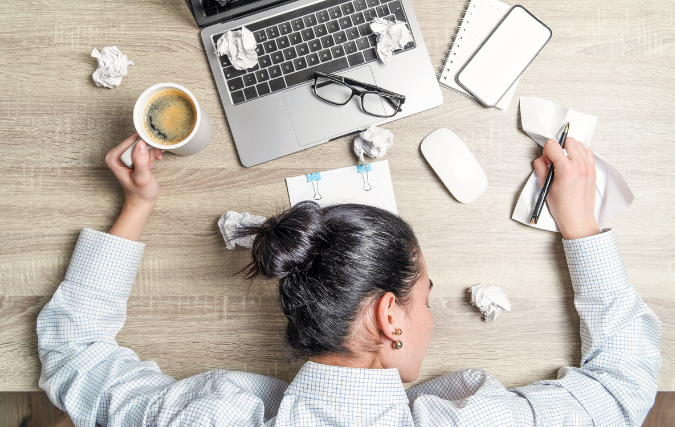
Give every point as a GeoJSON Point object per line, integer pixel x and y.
{"type": "Point", "coordinates": [316, 120]}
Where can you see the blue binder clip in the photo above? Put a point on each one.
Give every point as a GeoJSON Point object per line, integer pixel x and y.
{"type": "Point", "coordinates": [314, 178]}
{"type": "Point", "coordinates": [363, 170]}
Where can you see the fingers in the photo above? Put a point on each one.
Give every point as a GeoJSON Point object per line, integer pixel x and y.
{"type": "Point", "coordinates": [541, 166]}
{"type": "Point", "coordinates": [121, 148]}
{"type": "Point", "coordinates": [155, 154]}
{"type": "Point", "coordinates": [141, 159]}
{"type": "Point", "coordinates": [555, 153]}
{"type": "Point", "coordinates": [574, 148]}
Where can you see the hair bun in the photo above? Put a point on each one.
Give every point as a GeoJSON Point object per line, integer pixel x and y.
{"type": "Point", "coordinates": [287, 243]}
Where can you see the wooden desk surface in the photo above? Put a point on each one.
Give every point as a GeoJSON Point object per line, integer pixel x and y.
{"type": "Point", "coordinates": [190, 312]}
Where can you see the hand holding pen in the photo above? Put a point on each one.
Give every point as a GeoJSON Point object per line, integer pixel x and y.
{"type": "Point", "coordinates": [571, 195]}
{"type": "Point", "coordinates": [547, 182]}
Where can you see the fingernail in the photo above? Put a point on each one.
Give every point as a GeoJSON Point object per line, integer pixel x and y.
{"type": "Point", "coordinates": [142, 148]}
{"type": "Point", "coordinates": [160, 155]}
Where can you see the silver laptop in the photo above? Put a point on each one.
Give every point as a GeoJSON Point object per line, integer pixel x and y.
{"type": "Point", "coordinates": [271, 109]}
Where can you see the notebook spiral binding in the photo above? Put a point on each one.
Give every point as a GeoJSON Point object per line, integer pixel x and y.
{"type": "Point", "coordinates": [448, 53]}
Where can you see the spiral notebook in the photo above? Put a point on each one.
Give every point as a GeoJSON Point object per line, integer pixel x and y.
{"type": "Point", "coordinates": [478, 21]}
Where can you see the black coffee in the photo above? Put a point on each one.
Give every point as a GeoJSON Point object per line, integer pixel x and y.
{"type": "Point", "coordinates": [169, 117]}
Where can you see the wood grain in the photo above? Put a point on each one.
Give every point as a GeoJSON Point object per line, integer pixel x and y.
{"type": "Point", "coordinates": [190, 311]}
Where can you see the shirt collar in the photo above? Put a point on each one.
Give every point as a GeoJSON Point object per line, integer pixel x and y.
{"type": "Point", "coordinates": [336, 383]}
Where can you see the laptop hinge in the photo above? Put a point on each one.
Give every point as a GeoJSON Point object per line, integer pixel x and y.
{"type": "Point", "coordinates": [203, 21]}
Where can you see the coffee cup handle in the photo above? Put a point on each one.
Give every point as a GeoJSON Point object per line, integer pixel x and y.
{"type": "Point", "coordinates": [126, 156]}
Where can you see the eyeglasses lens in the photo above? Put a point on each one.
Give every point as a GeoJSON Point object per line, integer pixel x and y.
{"type": "Point", "coordinates": [380, 105]}
{"type": "Point", "coordinates": [332, 91]}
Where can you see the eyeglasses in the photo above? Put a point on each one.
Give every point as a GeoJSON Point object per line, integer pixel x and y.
{"type": "Point", "coordinates": [339, 90]}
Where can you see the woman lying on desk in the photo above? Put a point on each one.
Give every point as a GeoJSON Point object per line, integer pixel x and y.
{"type": "Point", "coordinates": [353, 285]}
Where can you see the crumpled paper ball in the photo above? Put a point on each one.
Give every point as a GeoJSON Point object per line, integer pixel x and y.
{"type": "Point", "coordinates": [239, 46]}
{"type": "Point", "coordinates": [112, 66]}
{"type": "Point", "coordinates": [232, 221]}
{"type": "Point", "coordinates": [490, 300]}
{"type": "Point", "coordinates": [374, 142]}
{"type": "Point", "coordinates": [391, 36]}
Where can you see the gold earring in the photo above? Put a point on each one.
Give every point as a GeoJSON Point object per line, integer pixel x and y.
{"type": "Point", "coordinates": [397, 332]}
{"type": "Point", "coordinates": [397, 345]}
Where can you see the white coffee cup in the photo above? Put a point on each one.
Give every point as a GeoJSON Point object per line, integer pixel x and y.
{"type": "Point", "coordinates": [198, 138]}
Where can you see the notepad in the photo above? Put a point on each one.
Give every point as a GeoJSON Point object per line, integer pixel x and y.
{"type": "Point", "coordinates": [480, 18]}
{"type": "Point", "coordinates": [368, 185]}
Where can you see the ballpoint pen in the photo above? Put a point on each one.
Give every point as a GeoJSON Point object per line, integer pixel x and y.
{"type": "Point", "coordinates": [544, 190]}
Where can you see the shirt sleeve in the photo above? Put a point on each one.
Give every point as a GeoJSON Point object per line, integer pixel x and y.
{"type": "Point", "coordinates": [614, 385]}
{"type": "Point", "coordinates": [86, 373]}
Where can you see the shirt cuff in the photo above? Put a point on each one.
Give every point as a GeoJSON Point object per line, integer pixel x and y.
{"type": "Point", "coordinates": [595, 264]}
{"type": "Point", "coordinates": [102, 261]}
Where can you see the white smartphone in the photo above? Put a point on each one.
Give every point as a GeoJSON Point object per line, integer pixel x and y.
{"type": "Point", "coordinates": [504, 56]}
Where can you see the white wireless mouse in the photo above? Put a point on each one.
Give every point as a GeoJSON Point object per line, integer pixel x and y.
{"type": "Point", "coordinates": [455, 165]}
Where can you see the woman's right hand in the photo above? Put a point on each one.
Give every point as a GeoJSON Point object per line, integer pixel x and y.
{"type": "Point", "coordinates": [571, 197]}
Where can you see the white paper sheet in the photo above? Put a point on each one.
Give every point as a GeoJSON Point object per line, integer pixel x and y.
{"type": "Point", "coordinates": [542, 120]}
{"type": "Point", "coordinates": [490, 300]}
{"type": "Point", "coordinates": [374, 142]}
{"type": "Point", "coordinates": [112, 66]}
{"type": "Point", "coordinates": [346, 185]}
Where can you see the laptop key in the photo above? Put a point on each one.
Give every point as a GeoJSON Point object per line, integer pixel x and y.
{"type": "Point", "coordinates": [277, 57]}
{"type": "Point", "coordinates": [358, 19]}
{"type": "Point", "coordinates": [295, 38]}
{"type": "Point", "coordinates": [320, 30]}
{"type": "Point", "coordinates": [231, 72]}
{"type": "Point", "coordinates": [302, 49]}
{"type": "Point", "coordinates": [263, 89]}
{"type": "Point", "coordinates": [277, 84]}
{"type": "Point", "coordinates": [274, 72]}
{"type": "Point", "coordinates": [350, 48]}
{"type": "Point", "coordinates": [315, 45]}
{"type": "Point", "coordinates": [333, 26]}
{"type": "Point", "coordinates": [299, 63]}
{"type": "Point", "coordinates": [369, 14]}
{"type": "Point", "coordinates": [238, 97]}
{"type": "Point", "coordinates": [310, 20]}
{"type": "Point", "coordinates": [399, 15]}
{"type": "Point", "coordinates": [340, 37]}
{"type": "Point", "coordinates": [323, 16]}
{"type": "Point", "coordinates": [307, 34]}
{"type": "Point", "coordinates": [259, 49]}
{"type": "Point", "coordinates": [372, 3]}
{"type": "Point", "coordinates": [287, 67]}
{"type": "Point", "coordinates": [324, 56]}
{"type": "Point", "coordinates": [335, 12]}
{"type": "Point", "coordinates": [224, 61]}
{"type": "Point", "coordinates": [308, 73]}
{"type": "Point", "coordinates": [355, 59]}
{"type": "Point", "coordinates": [382, 10]}
{"type": "Point", "coordinates": [365, 30]}
{"type": "Point", "coordinates": [360, 5]}
{"type": "Point", "coordinates": [272, 32]}
{"type": "Point", "coordinates": [285, 28]}
{"type": "Point", "coordinates": [395, 6]}
{"type": "Point", "coordinates": [264, 61]}
{"type": "Point", "coordinates": [409, 45]}
{"type": "Point", "coordinates": [283, 42]}
{"type": "Point", "coordinates": [270, 46]}
{"type": "Point", "coordinates": [363, 43]}
{"type": "Point", "coordinates": [260, 36]}
{"type": "Point", "coordinates": [337, 51]}
{"type": "Point", "coordinates": [352, 33]}
{"type": "Point", "coordinates": [235, 84]}
{"type": "Point", "coordinates": [312, 59]}
{"type": "Point", "coordinates": [250, 93]}
{"type": "Point", "coordinates": [249, 79]}
{"type": "Point", "coordinates": [289, 54]}
{"type": "Point", "coordinates": [373, 40]}
{"type": "Point", "coordinates": [345, 22]}
{"type": "Point", "coordinates": [262, 76]}
{"type": "Point", "coordinates": [347, 8]}
{"type": "Point", "coordinates": [370, 55]}
{"type": "Point", "coordinates": [297, 24]}
{"type": "Point", "coordinates": [327, 41]}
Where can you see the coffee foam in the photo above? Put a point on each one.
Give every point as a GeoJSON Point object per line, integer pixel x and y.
{"type": "Point", "coordinates": [170, 116]}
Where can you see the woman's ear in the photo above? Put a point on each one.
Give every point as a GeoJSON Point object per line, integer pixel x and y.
{"type": "Point", "coordinates": [387, 314]}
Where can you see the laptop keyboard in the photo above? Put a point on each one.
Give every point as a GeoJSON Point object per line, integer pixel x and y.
{"type": "Point", "coordinates": [327, 36]}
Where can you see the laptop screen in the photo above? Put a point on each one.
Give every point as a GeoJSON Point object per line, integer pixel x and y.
{"type": "Point", "coordinates": [209, 12]}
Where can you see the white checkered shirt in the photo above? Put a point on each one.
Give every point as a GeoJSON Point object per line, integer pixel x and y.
{"type": "Point", "coordinates": [87, 374]}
